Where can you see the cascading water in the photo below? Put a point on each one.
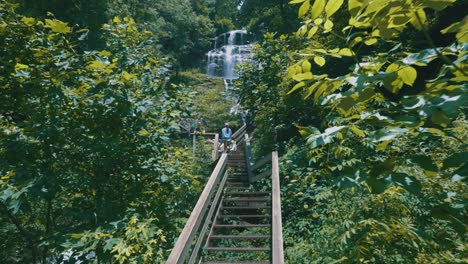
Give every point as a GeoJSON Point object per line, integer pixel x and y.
{"type": "Point", "coordinates": [230, 49]}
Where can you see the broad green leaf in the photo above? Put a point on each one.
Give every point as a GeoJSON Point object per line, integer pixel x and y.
{"type": "Point", "coordinates": [319, 60]}
{"type": "Point", "coordinates": [328, 26]}
{"type": "Point", "coordinates": [303, 76]}
{"type": "Point", "coordinates": [345, 105]}
{"type": "Point", "coordinates": [409, 183]}
{"type": "Point", "coordinates": [312, 32]}
{"type": "Point", "coordinates": [296, 2]}
{"type": "Point", "coordinates": [333, 6]}
{"type": "Point", "coordinates": [382, 146]}
{"type": "Point", "coordinates": [297, 86]}
{"type": "Point", "coordinates": [418, 19]}
{"type": "Point", "coordinates": [304, 8]}
{"type": "Point", "coordinates": [29, 21]}
{"type": "Point", "coordinates": [312, 88]}
{"type": "Point", "coordinates": [354, 6]}
{"type": "Point", "coordinates": [306, 66]}
{"type": "Point", "coordinates": [345, 52]}
{"type": "Point", "coordinates": [357, 131]}
{"type": "Point", "coordinates": [456, 160]}
{"type": "Point", "coordinates": [438, 5]}
{"type": "Point", "coordinates": [422, 58]}
{"type": "Point", "coordinates": [58, 26]}
{"type": "Point", "coordinates": [439, 118]}
{"type": "Point", "coordinates": [143, 133]}
{"type": "Point", "coordinates": [408, 75]}
{"type": "Point", "coordinates": [317, 8]}
{"type": "Point", "coordinates": [424, 162]}
{"type": "Point", "coordinates": [370, 41]}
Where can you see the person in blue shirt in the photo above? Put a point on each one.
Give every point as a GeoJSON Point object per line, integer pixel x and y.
{"type": "Point", "coordinates": [226, 135]}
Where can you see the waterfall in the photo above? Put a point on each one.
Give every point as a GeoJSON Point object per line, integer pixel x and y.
{"type": "Point", "coordinates": [230, 49]}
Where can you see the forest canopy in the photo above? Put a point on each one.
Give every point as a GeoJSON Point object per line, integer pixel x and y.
{"type": "Point", "coordinates": [365, 101]}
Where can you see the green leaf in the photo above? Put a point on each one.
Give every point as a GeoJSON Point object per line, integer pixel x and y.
{"type": "Point", "coordinates": [424, 162]}
{"type": "Point", "coordinates": [319, 60]}
{"type": "Point", "coordinates": [304, 8]}
{"type": "Point", "coordinates": [357, 131]}
{"type": "Point", "coordinates": [332, 7]}
{"type": "Point", "coordinates": [317, 8]}
{"type": "Point", "coordinates": [456, 160]}
{"type": "Point", "coordinates": [296, 2]}
{"type": "Point", "coordinates": [328, 26]}
{"type": "Point", "coordinates": [438, 5]}
{"type": "Point", "coordinates": [370, 41]}
{"type": "Point", "coordinates": [303, 76]}
{"type": "Point", "coordinates": [382, 146]}
{"type": "Point", "coordinates": [439, 118]}
{"type": "Point", "coordinates": [408, 75]}
{"type": "Point", "coordinates": [312, 32]}
{"type": "Point", "coordinates": [306, 66]}
{"type": "Point", "coordinates": [409, 183]}
{"type": "Point", "coordinates": [324, 138]}
{"type": "Point", "coordinates": [297, 86]}
{"type": "Point", "coordinates": [345, 52]}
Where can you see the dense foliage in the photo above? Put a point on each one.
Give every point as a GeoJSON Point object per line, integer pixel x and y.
{"type": "Point", "coordinates": [380, 175]}
{"type": "Point", "coordinates": [87, 153]}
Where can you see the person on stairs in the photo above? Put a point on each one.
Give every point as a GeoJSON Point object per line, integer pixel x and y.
{"type": "Point", "coordinates": [226, 135]}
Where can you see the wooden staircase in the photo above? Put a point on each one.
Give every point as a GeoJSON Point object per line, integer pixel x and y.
{"type": "Point", "coordinates": [232, 221]}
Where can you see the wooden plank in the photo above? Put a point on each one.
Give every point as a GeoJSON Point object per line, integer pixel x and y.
{"type": "Point", "coordinates": [208, 218]}
{"type": "Point", "coordinates": [277, 231]}
{"type": "Point", "coordinates": [241, 237]}
{"type": "Point", "coordinates": [261, 176]}
{"type": "Point", "coordinates": [248, 157]}
{"type": "Point", "coordinates": [242, 226]}
{"type": "Point", "coordinates": [237, 249]}
{"type": "Point", "coordinates": [239, 131]}
{"type": "Point", "coordinates": [215, 153]}
{"type": "Point", "coordinates": [185, 239]}
{"type": "Point", "coordinates": [261, 162]}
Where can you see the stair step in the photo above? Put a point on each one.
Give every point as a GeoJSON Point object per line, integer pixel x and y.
{"type": "Point", "coordinates": [247, 199]}
{"type": "Point", "coordinates": [237, 249]}
{"type": "Point", "coordinates": [237, 262]}
{"type": "Point", "coordinates": [242, 226]}
{"type": "Point", "coordinates": [245, 207]}
{"type": "Point", "coordinates": [247, 193]}
{"type": "Point", "coordinates": [244, 237]}
{"type": "Point", "coordinates": [245, 216]}
{"type": "Point", "coordinates": [237, 183]}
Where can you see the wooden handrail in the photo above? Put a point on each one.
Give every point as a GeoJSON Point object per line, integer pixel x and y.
{"type": "Point", "coordinates": [239, 132]}
{"type": "Point", "coordinates": [261, 162]}
{"type": "Point", "coordinates": [277, 232]}
{"type": "Point", "coordinates": [182, 246]}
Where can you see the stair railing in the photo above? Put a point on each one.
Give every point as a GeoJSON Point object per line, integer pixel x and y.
{"type": "Point", "coordinates": [210, 198]}
{"type": "Point", "coordinates": [277, 231]}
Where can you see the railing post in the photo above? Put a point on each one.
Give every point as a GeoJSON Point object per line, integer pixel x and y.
{"type": "Point", "coordinates": [215, 153]}
{"type": "Point", "coordinates": [277, 232]}
{"type": "Point", "coordinates": [248, 157]}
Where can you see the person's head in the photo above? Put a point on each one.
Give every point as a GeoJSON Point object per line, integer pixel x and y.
{"type": "Point", "coordinates": [226, 124]}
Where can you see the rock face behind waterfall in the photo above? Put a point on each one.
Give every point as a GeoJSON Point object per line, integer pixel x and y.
{"type": "Point", "coordinates": [230, 49]}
